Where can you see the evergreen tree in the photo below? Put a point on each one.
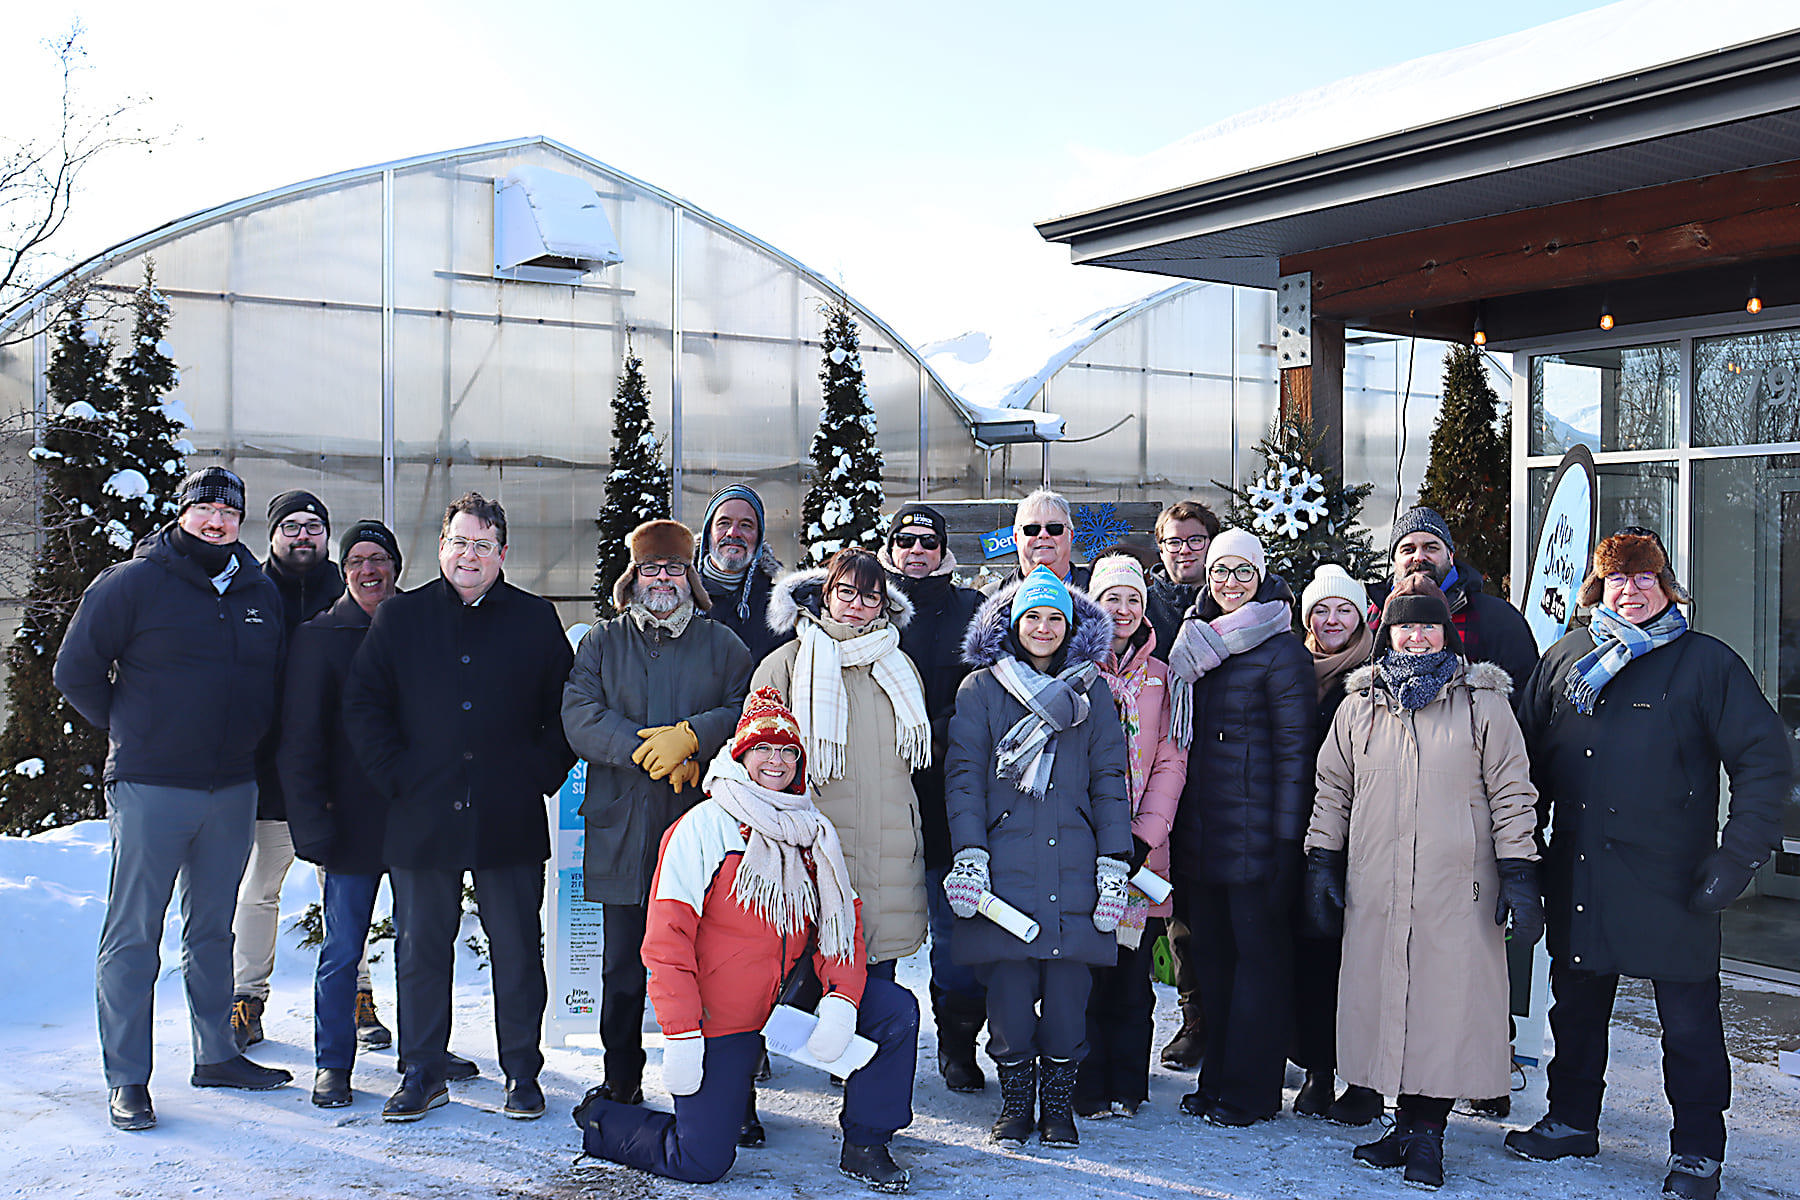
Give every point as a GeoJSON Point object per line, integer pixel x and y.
{"type": "Point", "coordinates": [844, 493]}
{"type": "Point", "coordinates": [50, 757]}
{"type": "Point", "coordinates": [637, 490]}
{"type": "Point", "coordinates": [1469, 478]}
{"type": "Point", "coordinates": [1302, 511]}
{"type": "Point", "coordinates": [154, 447]}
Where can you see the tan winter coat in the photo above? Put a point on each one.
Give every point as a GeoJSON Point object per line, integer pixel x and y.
{"type": "Point", "coordinates": [873, 805]}
{"type": "Point", "coordinates": [1422, 994]}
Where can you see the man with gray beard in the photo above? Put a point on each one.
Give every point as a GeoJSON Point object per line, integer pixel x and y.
{"type": "Point", "coordinates": [653, 694]}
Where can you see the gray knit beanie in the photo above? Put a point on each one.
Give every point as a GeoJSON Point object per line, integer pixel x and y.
{"type": "Point", "coordinates": [1421, 520]}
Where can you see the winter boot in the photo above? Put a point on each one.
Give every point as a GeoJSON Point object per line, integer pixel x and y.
{"type": "Point", "coordinates": [331, 1088]}
{"type": "Point", "coordinates": [751, 1134]}
{"type": "Point", "coordinates": [1496, 1109]}
{"type": "Point", "coordinates": [1018, 1102]}
{"type": "Point", "coordinates": [1091, 1102]}
{"type": "Point", "coordinates": [371, 1034]}
{"type": "Point", "coordinates": [1189, 1043]}
{"type": "Point", "coordinates": [959, 1022]}
{"type": "Point", "coordinates": [1056, 1094]}
{"type": "Point", "coordinates": [246, 1020]}
{"type": "Point", "coordinates": [1317, 1094]}
{"type": "Point", "coordinates": [1356, 1107]}
{"type": "Point", "coordinates": [1550, 1140]}
{"type": "Point", "coordinates": [1425, 1156]}
{"type": "Point", "coordinates": [874, 1166]}
{"type": "Point", "coordinates": [1692, 1177]}
{"type": "Point", "coordinates": [1389, 1150]}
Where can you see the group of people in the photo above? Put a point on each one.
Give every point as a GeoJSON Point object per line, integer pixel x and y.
{"type": "Point", "coordinates": [1339, 811]}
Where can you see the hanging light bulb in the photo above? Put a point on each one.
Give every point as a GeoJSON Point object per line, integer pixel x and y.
{"type": "Point", "coordinates": [1606, 317]}
{"type": "Point", "coordinates": [1480, 338]}
{"type": "Point", "coordinates": [1754, 304]}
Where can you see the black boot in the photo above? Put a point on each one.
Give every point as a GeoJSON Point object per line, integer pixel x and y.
{"type": "Point", "coordinates": [1056, 1095]}
{"type": "Point", "coordinates": [1357, 1106]}
{"type": "Point", "coordinates": [1189, 1043]}
{"type": "Point", "coordinates": [751, 1134]}
{"type": "Point", "coordinates": [130, 1108]}
{"type": "Point", "coordinates": [1425, 1155]}
{"type": "Point", "coordinates": [959, 1022]}
{"type": "Point", "coordinates": [1317, 1094]}
{"type": "Point", "coordinates": [874, 1166]}
{"type": "Point", "coordinates": [331, 1087]}
{"type": "Point", "coordinates": [1389, 1150]}
{"type": "Point", "coordinates": [1018, 1102]}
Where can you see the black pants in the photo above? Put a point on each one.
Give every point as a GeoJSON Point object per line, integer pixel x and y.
{"type": "Point", "coordinates": [1243, 962]}
{"type": "Point", "coordinates": [1432, 1110]}
{"type": "Point", "coordinates": [623, 988]}
{"type": "Point", "coordinates": [1316, 962]}
{"type": "Point", "coordinates": [1015, 990]}
{"type": "Point", "coordinates": [1696, 1073]}
{"type": "Point", "coordinates": [427, 914]}
{"type": "Point", "coordinates": [1120, 1020]}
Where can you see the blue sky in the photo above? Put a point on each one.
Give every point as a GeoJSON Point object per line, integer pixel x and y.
{"type": "Point", "coordinates": [905, 149]}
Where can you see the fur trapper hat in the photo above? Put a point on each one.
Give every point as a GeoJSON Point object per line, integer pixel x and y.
{"type": "Point", "coordinates": [670, 541]}
{"type": "Point", "coordinates": [1629, 552]}
{"type": "Point", "coordinates": [1417, 600]}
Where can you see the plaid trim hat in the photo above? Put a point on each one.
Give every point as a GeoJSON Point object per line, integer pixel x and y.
{"type": "Point", "coordinates": [767, 719]}
{"type": "Point", "coordinates": [211, 485]}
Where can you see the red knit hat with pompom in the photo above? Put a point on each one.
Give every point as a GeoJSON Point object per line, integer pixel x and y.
{"type": "Point", "coordinates": [767, 719]}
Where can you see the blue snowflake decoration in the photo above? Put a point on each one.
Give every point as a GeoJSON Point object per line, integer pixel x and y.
{"type": "Point", "coordinates": [1097, 526]}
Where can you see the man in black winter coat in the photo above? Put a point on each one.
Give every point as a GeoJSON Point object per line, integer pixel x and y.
{"type": "Point", "coordinates": [174, 652]}
{"type": "Point", "coordinates": [920, 565]}
{"type": "Point", "coordinates": [302, 571]}
{"type": "Point", "coordinates": [737, 570]}
{"type": "Point", "coordinates": [454, 710]}
{"type": "Point", "coordinates": [1628, 723]}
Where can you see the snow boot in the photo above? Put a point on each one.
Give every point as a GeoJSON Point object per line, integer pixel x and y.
{"type": "Point", "coordinates": [1056, 1093]}
{"type": "Point", "coordinates": [1189, 1043]}
{"type": "Point", "coordinates": [1356, 1107]}
{"type": "Point", "coordinates": [1497, 1109]}
{"type": "Point", "coordinates": [1389, 1150]}
{"type": "Point", "coordinates": [246, 1020]}
{"type": "Point", "coordinates": [874, 1166]}
{"type": "Point", "coordinates": [1550, 1140]}
{"type": "Point", "coordinates": [371, 1034]}
{"type": "Point", "coordinates": [751, 1134]}
{"type": "Point", "coordinates": [1425, 1156]}
{"type": "Point", "coordinates": [1692, 1177]}
{"type": "Point", "coordinates": [1018, 1102]}
{"type": "Point", "coordinates": [959, 1022]}
{"type": "Point", "coordinates": [1317, 1094]}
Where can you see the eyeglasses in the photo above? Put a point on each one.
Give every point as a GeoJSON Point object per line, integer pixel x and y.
{"type": "Point", "coordinates": [847, 593]}
{"type": "Point", "coordinates": [787, 754]}
{"type": "Point", "coordinates": [368, 562]}
{"type": "Point", "coordinates": [1054, 529]}
{"type": "Point", "coordinates": [481, 547]}
{"type": "Point", "coordinates": [1243, 574]}
{"type": "Point", "coordinates": [1198, 541]}
{"type": "Point", "coordinates": [1643, 580]}
{"type": "Point", "coordinates": [221, 512]}
{"type": "Point", "coordinates": [651, 570]}
{"type": "Point", "coordinates": [296, 528]}
{"type": "Point", "coordinates": [926, 541]}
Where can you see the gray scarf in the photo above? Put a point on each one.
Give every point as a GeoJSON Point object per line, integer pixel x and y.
{"type": "Point", "coordinates": [1027, 753]}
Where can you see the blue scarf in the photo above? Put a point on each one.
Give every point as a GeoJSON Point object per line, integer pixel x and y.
{"type": "Point", "coordinates": [1416, 679]}
{"type": "Point", "coordinates": [1616, 642]}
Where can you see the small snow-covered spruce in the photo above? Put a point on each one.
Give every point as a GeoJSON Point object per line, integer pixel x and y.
{"type": "Point", "coordinates": [1469, 475]}
{"type": "Point", "coordinates": [637, 488]}
{"type": "Point", "coordinates": [844, 493]}
{"type": "Point", "coordinates": [150, 419]}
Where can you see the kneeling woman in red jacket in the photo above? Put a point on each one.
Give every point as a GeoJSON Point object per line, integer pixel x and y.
{"type": "Point", "coordinates": [748, 881]}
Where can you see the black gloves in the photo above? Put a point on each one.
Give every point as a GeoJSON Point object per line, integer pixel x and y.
{"type": "Point", "coordinates": [1521, 899]}
{"type": "Point", "coordinates": [1723, 878]}
{"type": "Point", "coordinates": [1324, 891]}
{"type": "Point", "coordinates": [1140, 850]}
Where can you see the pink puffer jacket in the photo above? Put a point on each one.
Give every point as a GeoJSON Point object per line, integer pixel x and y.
{"type": "Point", "coordinates": [1159, 767]}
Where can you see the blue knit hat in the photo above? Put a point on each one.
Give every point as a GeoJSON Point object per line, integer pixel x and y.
{"type": "Point", "coordinates": [1042, 589]}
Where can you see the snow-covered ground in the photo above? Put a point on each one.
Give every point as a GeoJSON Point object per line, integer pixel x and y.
{"type": "Point", "coordinates": [55, 1140]}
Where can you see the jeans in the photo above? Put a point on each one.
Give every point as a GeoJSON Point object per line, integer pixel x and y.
{"type": "Point", "coordinates": [349, 902]}
{"type": "Point", "coordinates": [947, 975]}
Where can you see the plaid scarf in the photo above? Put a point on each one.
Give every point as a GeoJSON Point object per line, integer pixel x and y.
{"type": "Point", "coordinates": [1126, 681]}
{"type": "Point", "coordinates": [1416, 679]}
{"type": "Point", "coordinates": [1616, 642]}
{"type": "Point", "coordinates": [1052, 703]}
{"type": "Point", "coordinates": [823, 707]}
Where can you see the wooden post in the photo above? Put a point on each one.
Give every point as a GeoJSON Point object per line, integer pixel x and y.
{"type": "Point", "coordinates": [1315, 393]}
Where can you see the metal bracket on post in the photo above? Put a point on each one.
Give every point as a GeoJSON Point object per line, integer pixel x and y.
{"type": "Point", "coordinates": [1293, 320]}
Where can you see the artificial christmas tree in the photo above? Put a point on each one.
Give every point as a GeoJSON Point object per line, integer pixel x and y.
{"type": "Point", "coordinates": [150, 421]}
{"type": "Point", "coordinates": [1301, 510]}
{"type": "Point", "coordinates": [637, 489]}
{"type": "Point", "coordinates": [844, 493]}
{"type": "Point", "coordinates": [1469, 478]}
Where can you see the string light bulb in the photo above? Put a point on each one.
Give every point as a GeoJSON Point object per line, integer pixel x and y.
{"type": "Point", "coordinates": [1606, 317]}
{"type": "Point", "coordinates": [1754, 304]}
{"type": "Point", "coordinates": [1480, 337]}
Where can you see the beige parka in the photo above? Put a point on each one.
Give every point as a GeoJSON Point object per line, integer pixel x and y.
{"type": "Point", "coordinates": [1427, 800]}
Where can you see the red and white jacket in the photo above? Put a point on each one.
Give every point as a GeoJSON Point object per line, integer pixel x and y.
{"type": "Point", "coordinates": [715, 965]}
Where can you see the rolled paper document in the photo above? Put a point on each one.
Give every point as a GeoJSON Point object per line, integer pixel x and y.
{"type": "Point", "coordinates": [1007, 917]}
{"type": "Point", "coordinates": [1156, 889]}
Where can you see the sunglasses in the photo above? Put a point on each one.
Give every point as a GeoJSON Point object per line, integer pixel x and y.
{"type": "Point", "coordinates": [926, 541]}
{"type": "Point", "coordinates": [1054, 529]}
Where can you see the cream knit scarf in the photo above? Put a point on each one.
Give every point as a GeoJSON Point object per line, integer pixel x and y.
{"type": "Point", "coordinates": [823, 707]}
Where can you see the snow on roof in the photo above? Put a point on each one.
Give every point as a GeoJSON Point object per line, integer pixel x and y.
{"type": "Point", "coordinates": [1618, 40]}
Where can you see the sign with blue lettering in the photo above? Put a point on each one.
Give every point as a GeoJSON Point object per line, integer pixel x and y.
{"type": "Point", "coordinates": [997, 544]}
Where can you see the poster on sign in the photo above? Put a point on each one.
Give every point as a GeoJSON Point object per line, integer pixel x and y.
{"type": "Point", "coordinates": [572, 926]}
{"type": "Point", "coordinates": [1563, 545]}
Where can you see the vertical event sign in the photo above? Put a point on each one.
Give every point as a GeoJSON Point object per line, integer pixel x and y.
{"type": "Point", "coordinates": [1563, 546]}
{"type": "Point", "coordinates": [573, 926]}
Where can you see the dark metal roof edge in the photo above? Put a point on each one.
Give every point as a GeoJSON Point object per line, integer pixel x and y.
{"type": "Point", "coordinates": [1665, 82]}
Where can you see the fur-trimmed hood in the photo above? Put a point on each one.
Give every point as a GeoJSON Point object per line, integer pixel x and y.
{"type": "Point", "coordinates": [985, 643]}
{"type": "Point", "coordinates": [805, 590]}
{"type": "Point", "coordinates": [1478, 676]}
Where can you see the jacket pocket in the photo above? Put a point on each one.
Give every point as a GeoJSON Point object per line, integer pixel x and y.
{"type": "Point", "coordinates": [996, 822]}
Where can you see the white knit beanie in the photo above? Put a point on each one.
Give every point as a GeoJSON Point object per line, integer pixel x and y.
{"type": "Point", "coordinates": [1117, 570]}
{"type": "Point", "coordinates": [1238, 543]}
{"type": "Point", "coordinates": [1332, 581]}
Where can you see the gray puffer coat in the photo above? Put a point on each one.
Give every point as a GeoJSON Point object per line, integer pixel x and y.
{"type": "Point", "coordinates": [1041, 852]}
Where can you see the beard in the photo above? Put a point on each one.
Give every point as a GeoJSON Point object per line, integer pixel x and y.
{"type": "Point", "coordinates": [659, 597]}
{"type": "Point", "coordinates": [1426, 567]}
{"type": "Point", "coordinates": [300, 555]}
{"type": "Point", "coordinates": [731, 553]}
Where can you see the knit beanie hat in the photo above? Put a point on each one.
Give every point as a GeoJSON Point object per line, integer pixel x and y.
{"type": "Point", "coordinates": [1331, 581]}
{"type": "Point", "coordinates": [767, 719]}
{"type": "Point", "coordinates": [376, 534]}
{"type": "Point", "coordinates": [1417, 600]}
{"type": "Point", "coordinates": [1421, 520]}
{"type": "Point", "coordinates": [211, 485]}
{"type": "Point", "coordinates": [1117, 570]}
{"type": "Point", "coordinates": [915, 516]}
{"type": "Point", "coordinates": [288, 503]}
{"type": "Point", "coordinates": [1238, 543]}
{"type": "Point", "coordinates": [1041, 589]}
{"type": "Point", "coordinates": [667, 540]}
{"type": "Point", "coordinates": [1631, 551]}
{"type": "Point", "coordinates": [736, 491]}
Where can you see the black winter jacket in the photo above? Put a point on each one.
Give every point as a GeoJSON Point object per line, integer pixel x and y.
{"type": "Point", "coordinates": [1251, 766]}
{"type": "Point", "coordinates": [336, 816]}
{"type": "Point", "coordinates": [1492, 630]}
{"type": "Point", "coordinates": [303, 597]}
{"type": "Point", "coordinates": [182, 678]}
{"type": "Point", "coordinates": [454, 710]}
{"type": "Point", "coordinates": [753, 628]}
{"type": "Point", "coordinates": [933, 639]}
{"type": "Point", "coordinates": [1630, 797]}
{"type": "Point", "coordinates": [1165, 605]}
{"type": "Point", "coordinates": [1079, 574]}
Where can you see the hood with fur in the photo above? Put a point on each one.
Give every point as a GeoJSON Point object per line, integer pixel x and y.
{"type": "Point", "coordinates": [799, 590]}
{"type": "Point", "coordinates": [985, 643]}
{"type": "Point", "coordinates": [1480, 676]}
